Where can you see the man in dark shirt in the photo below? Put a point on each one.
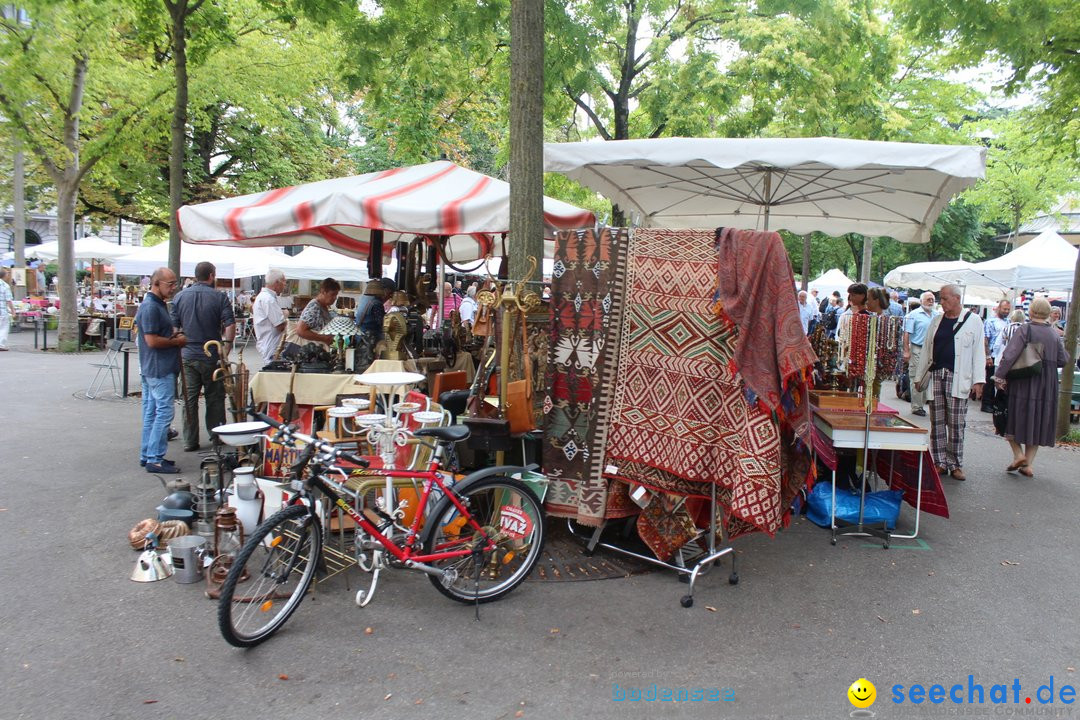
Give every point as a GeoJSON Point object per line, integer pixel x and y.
{"type": "Point", "coordinates": [159, 361]}
{"type": "Point", "coordinates": [205, 314]}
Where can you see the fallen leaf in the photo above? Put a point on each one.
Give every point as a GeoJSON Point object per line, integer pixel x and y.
{"type": "Point", "coordinates": [519, 713]}
{"type": "Point", "coordinates": [1070, 669]}
{"type": "Point", "coordinates": [879, 618]}
{"type": "Point", "coordinates": [710, 608]}
{"type": "Point", "coordinates": [554, 631]}
{"type": "Point", "coordinates": [391, 676]}
{"type": "Point", "coordinates": [178, 659]}
{"type": "Point", "coordinates": [369, 631]}
{"type": "Point", "coordinates": [419, 702]}
{"type": "Point", "coordinates": [916, 611]}
{"type": "Point", "coordinates": [1009, 562]}
{"type": "Point", "coordinates": [931, 573]}
{"type": "Point", "coordinates": [388, 696]}
{"type": "Point", "coordinates": [282, 676]}
{"type": "Point", "coordinates": [795, 626]}
{"type": "Point", "coordinates": [148, 702]}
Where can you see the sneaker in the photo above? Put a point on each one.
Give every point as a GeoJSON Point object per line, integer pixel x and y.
{"type": "Point", "coordinates": [920, 412]}
{"type": "Point", "coordinates": [162, 469]}
{"type": "Point", "coordinates": [142, 463]}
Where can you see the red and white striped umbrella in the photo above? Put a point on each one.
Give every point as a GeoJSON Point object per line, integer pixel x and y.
{"type": "Point", "coordinates": [438, 198]}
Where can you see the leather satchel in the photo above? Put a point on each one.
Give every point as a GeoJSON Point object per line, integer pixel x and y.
{"type": "Point", "coordinates": [482, 323]}
{"type": "Point", "coordinates": [1029, 364]}
{"type": "Point", "coordinates": [519, 393]}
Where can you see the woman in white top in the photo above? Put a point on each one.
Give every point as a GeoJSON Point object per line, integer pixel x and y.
{"type": "Point", "coordinates": [468, 306]}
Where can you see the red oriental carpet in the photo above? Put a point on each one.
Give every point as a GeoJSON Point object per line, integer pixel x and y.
{"type": "Point", "coordinates": [681, 418]}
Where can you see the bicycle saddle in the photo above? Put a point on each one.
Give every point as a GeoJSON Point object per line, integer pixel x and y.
{"type": "Point", "coordinates": [451, 433]}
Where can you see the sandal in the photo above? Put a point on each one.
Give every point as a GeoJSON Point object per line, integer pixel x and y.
{"type": "Point", "coordinates": [1026, 471]}
{"type": "Point", "coordinates": [1017, 465]}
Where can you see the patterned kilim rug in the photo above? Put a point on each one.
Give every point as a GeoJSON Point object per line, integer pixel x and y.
{"type": "Point", "coordinates": [586, 300]}
{"type": "Point", "coordinates": [681, 418]}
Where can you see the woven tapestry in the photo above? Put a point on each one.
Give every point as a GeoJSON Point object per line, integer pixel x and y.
{"type": "Point", "coordinates": [586, 300]}
{"type": "Point", "coordinates": [681, 419]}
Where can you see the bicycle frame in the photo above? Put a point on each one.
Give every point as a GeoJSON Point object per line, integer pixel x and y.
{"type": "Point", "coordinates": [406, 554]}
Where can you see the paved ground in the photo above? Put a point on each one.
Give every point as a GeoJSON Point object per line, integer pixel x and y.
{"type": "Point", "coordinates": [992, 593]}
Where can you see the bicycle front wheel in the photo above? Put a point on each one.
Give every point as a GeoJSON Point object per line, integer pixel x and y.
{"type": "Point", "coordinates": [510, 515]}
{"type": "Point", "coordinates": [269, 577]}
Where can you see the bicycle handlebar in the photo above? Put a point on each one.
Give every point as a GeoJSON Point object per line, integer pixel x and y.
{"type": "Point", "coordinates": [322, 445]}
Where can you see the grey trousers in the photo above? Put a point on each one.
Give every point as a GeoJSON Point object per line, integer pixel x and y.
{"type": "Point", "coordinates": [918, 397]}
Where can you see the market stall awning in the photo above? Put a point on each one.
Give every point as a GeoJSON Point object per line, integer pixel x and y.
{"type": "Point", "coordinates": [229, 262]}
{"type": "Point", "coordinates": [438, 198]}
{"type": "Point", "coordinates": [803, 185]}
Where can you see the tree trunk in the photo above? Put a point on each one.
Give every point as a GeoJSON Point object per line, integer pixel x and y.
{"type": "Point", "coordinates": [526, 135]}
{"type": "Point", "coordinates": [178, 11]}
{"type": "Point", "coordinates": [67, 192]}
{"type": "Point", "coordinates": [19, 213]}
{"type": "Point", "coordinates": [805, 261]}
{"type": "Point", "coordinates": [1072, 327]}
{"type": "Point", "coordinates": [867, 255]}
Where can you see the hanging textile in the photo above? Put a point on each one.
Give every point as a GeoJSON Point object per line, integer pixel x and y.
{"type": "Point", "coordinates": [681, 419]}
{"type": "Point", "coordinates": [586, 300]}
{"type": "Point", "coordinates": [754, 289]}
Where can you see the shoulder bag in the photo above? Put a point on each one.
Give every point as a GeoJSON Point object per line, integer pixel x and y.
{"type": "Point", "coordinates": [519, 393]}
{"type": "Point", "coordinates": [1029, 363]}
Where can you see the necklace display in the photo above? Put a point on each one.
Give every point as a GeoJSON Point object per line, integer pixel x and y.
{"type": "Point", "coordinates": [871, 347]}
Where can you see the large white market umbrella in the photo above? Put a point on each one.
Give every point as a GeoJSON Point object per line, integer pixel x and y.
{"type": "Point", "coordinates": [830, 185]}
{"type": "Point", "coordinates": [437, 199]}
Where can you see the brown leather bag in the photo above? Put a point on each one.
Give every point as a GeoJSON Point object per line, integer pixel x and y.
{"type": "Point", "coordinates": [482, 323]}
{"type": "Point", "coordinates": [519, 393]}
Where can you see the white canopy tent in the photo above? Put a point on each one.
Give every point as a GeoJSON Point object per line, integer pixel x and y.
{"type": "Point", "coordinates": [316, 263]}
{"type": "Point", "coordinates": [830, 185]}
{"type": "Point", "coordinates": [935, 275]}
{"type": "Point", "coordinates": [829, 281]}
{"type": "Point", "coordinates": [1046, 262]}
{"type": "Point", "coordinates": [90, 247]}
{"type": "Point", "coordinates": [342, 214]}
{"type": "Point", "coordinates": [230, 262]}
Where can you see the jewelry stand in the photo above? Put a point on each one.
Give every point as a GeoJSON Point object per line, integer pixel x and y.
{"type": "Point", "coordinates": [840, 526]}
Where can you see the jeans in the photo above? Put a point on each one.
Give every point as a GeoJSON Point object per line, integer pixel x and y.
{"type": "Point", "coordinates": [198, 374]}
{"type": "Point", "coordinates": [158, 395]}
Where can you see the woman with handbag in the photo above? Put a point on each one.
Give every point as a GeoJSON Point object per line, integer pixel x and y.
{"type": "Point", "coordinates": [1028, 369]}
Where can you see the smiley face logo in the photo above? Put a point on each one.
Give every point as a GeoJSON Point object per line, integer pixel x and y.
{"type": "Point", "coordinates": [862, 693]}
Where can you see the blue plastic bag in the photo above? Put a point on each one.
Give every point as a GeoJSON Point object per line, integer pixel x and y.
{"type": "Point", "coordinates": [883, 505]}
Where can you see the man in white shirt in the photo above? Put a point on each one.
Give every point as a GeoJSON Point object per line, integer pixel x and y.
{"type": "Point", "coordinates": [807, 311]}
{"type": "Point", "coordinates": [268, 318]}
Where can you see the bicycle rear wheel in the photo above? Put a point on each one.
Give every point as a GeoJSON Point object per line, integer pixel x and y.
{"type": "Point", "coordinates": [511, 515]}
{"type": "Point", "coordinates": [280, 558]}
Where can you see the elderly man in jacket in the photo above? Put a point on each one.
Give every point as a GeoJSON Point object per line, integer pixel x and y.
{"type": "Point", "coordinates": [953, 362]}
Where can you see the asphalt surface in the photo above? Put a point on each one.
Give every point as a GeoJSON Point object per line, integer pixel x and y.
{"type": "Point", "coordinates": [990, 592]}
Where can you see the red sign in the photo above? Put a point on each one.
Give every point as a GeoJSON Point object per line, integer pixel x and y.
{"type": "Point", "coordinates": [515, 522]}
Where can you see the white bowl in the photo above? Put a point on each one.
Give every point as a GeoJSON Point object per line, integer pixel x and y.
{"type": "Point", "coordinates": [425, 417]}
{"type": "Point", "coordinates": [343, 412]}
{"type": "Point", "coordinates": [405, 408]}
{"type": "Point", "coordinates": [362, 403]}
{"type": "Point", "coordinates": [240, 434]}
{"type": "Point", "coordinates": [371, 419]}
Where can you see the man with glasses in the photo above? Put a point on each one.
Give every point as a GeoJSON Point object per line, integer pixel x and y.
{"type": "Point", "coordinates": [159, 361]}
